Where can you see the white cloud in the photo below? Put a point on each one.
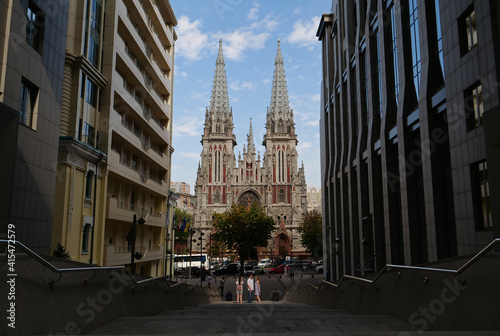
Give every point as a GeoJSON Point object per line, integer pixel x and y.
{"type": "Point", "coordinates": [235, 44]}
{"type": "Point", "coordinates": [304, 33]}
{"type": "Point", "coordinates": [297, 10]}
{"type": "Point", "coordinates": [237, 86]}
{"type": "Point", "coordinates": [192, 42]}
{"type": "Point", "coordinates": [252, 14]}
{"type": "Point", "coordinates": [188, 126]}
{"type": "Point", "coordinates": [266, 81]}
{"type": "Point", "coordinates": [302, 146]}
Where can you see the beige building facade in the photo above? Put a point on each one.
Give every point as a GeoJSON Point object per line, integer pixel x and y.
{"type": "Point", "coordinates": [116, 125]}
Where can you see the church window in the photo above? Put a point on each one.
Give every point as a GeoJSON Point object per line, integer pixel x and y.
{"type": "Point", "coordinates": [281, 166]}
{"type": "Point", "coordinates": [217, 166]}
{"type": "Point", "coordinates": [217, 196]}
{"type": "Point", "coordinates": [282, 196]}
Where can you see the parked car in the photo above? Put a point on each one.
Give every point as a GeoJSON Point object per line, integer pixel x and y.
{"type": "Point", "coordinates": [265, 263]}
{"type": "Point", "coordinates": [259, 269]}
{"type": "Point", "coordinates": [249, 270]}
{"type": "Point", "coordinates": [280, 269]}
{"type": "Point", "coordinates": [289, 263]}
{"type": "Point", "coordinates": [252, 263]}
{"type": "Point", "coordinates": [195, 272]}
{"type": "Point", "coordinates": [302, 264]}
{"type": "Point", "coordinates": [227, 270]}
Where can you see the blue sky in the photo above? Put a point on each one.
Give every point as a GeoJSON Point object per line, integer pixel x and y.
{"type": "Point", "coordinates": [249, 31]}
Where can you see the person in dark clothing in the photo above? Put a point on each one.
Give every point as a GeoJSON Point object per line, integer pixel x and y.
{"type": "Point", "coordinates": [221, 285]}
{"type": "Point", "coordinates": [229, 296]}
{"type": "Point", "coordinates": [275, 296]}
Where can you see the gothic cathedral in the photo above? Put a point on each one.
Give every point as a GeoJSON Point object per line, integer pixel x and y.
{"type": "Point", "coordinates": [276, 182]}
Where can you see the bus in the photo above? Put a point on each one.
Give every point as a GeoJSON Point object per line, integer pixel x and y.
{"type": "Point", "coordinates": [195, 260]}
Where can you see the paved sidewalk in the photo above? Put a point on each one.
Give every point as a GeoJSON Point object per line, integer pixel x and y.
{"type": "Point", "coordinates": [269, 318]}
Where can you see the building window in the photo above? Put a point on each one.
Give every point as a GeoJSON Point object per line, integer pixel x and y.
{"type": "Point", "coordinates": [95, 32]}
{"type": "Point", "coordinates": [281, 166]}
{"type": "Point", "coordinates": [394, 53]}
{"type": "Point", "coordinates": [364, 87]}
{"type": "Point", "coordinates": [282, 196]}
{"type": "Point", "coordinates": [85, 238]}
{"type": "Point", "coordinates": [415, 45]}
{"type": "Point", "coordinates": [88, 184]}
{"type": "Point", "coordinates": [217, 167]}
{"type": "Point", "coordinates": [468, 30]}
{"type": "Point", "coordinates": [34, 27]}
{"type": "Point", "coordinates": [88, 134]}
{"type": "Point", "coordinates": [28, 104]}
{"type": "Point", "coordinates": [474, 106]}
{"type": "Point", "coordinates": [439, 35]}
{"type": "Point", "coordinates": [217, 197]}
{"type": "Point", "coordinates": [92, 92]}
{"type": "Point", "coordinates": [377, 75]}
{"type": "Point", "coordinates": [481, 195]}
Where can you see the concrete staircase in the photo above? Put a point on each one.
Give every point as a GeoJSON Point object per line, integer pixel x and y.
{"type": "Point", "coordinates": [270, 318]}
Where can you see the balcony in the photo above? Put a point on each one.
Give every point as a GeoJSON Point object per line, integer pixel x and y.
{"type": "Point", "coordinates": [130, 97]}
{"type": "Point", "coordinates": [120, 255]}
{"type": "Point", "coordinates": [154, 32]}
{"type": "Point", "coordinates": [125, 212]}
{"type": "Point", "coordinates": [130, 32]}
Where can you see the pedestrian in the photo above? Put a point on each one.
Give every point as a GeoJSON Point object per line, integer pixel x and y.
{"type": "Point", "coordinates": [257, 289]}
{"type": "Point", "coordinates": [229, 296]}
{"type": "Point", "coordinates": [239, 290]}
{"type": "Point", "coordinates": [221, 286]}
{"type": "Point", "coordinates": [292, 273]}
{"type": "Point", "coordinates": [209, 280]}
{"type": "Point", "coordinates": [275, 296]}
{"type": "Point", "coordinates": [250, 286]}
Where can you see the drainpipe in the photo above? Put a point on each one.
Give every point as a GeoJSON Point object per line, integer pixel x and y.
{"type": "Point", "coordinates": [101, 156]}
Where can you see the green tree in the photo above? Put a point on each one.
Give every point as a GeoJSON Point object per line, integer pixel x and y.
{"type": "Point", "coordinates": [242, 229]}
{"type": "Point", "coordinates": [60, 252]}
{"type": "Point", "coordinates": [311, 234]}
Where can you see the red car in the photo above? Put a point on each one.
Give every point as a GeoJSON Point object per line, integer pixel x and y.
{"type": "Point", "coordinates": [279, 269]}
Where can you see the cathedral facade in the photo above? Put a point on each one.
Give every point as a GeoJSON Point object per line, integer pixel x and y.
{"type": "Point", "coordinates": [275, 181]}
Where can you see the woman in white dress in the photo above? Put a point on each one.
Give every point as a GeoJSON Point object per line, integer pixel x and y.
{"type": "Point", "coordinates": [239, 290]}
{"type": "Point", "coordinates": [257, 289]}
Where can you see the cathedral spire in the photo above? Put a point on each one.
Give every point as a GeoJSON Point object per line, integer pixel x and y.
{"type": "Point", "coordinates": [279, 110]}
{"type": "Point", "coordinates": [251, 145]}
{"type": "Point", "coordinates": [219, 115]}
{"type": "Point", "coordinates": [219, 102]}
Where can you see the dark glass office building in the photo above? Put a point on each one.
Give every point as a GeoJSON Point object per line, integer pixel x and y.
{"type": "Point", "coordinates": [410, 131]}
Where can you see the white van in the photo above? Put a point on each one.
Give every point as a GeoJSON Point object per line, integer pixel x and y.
{"type": "Point", "coordinates": [264, 263]}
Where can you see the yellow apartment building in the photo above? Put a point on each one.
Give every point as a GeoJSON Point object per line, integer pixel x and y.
{"type": "Point", "coordinates": [116, 126]}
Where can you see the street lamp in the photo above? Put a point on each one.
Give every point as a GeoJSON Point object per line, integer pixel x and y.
{"type": "Point", "coordinates": [191, 231]}
{"type": "Point", "coordinates": [131, 239]}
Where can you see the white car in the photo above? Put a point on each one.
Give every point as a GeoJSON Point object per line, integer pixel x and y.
{"type": "Point", "coordinates": [265, 263]}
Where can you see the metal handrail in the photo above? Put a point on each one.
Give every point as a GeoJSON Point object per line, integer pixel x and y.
{"type": "Point", "coordinates": [53, 268]}
{"type": "Point", "coordinates": [468, 264]}
{"type": "Point", "coordinates": [60, 271]}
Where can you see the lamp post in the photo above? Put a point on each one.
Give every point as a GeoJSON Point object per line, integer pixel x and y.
{"type": "Point", "coordinates": [134, 255]}
{"type": "Point", "coordinates": [191, 231]}
{"type": "Point", "coordinates": [202, 270]}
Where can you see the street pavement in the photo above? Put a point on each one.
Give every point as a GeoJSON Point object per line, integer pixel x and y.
{"type": "Point", "coordinates": [267, 283]}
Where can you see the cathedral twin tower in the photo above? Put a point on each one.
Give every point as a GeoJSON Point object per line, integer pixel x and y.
{"type": "Point", "coordinates": [275, 183]}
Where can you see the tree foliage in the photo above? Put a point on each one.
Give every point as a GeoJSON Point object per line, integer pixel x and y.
{"type": "Point", "coordinates": [60, 252]}
{"type": "Point", "coordinates": [243, 229]}
{"type": "Point", "coordinates": [311, 234]}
